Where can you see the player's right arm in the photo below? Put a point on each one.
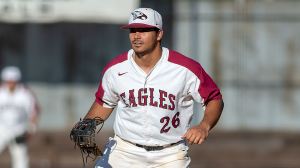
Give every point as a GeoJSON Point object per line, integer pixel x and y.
{"type": "Point", "coordinates": [98, 110]}
{"type": "Point", "coordinates": [106, 97]}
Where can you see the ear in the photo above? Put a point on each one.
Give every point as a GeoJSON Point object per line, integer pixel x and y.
{"type": "Point", "coordinates": [160, 35]}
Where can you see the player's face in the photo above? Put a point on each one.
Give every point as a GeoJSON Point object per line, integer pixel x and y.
{"type": "Point", "coordinates": [144, 40]}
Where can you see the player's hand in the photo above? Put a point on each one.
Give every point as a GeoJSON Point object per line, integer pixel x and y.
{"type": "Point", "coordinates": [197, 134]}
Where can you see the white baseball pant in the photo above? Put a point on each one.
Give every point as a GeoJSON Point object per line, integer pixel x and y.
{"type": "Point", "coordinates": [18, 151]}
{"type": "Point", "coordinates": [125, 154]}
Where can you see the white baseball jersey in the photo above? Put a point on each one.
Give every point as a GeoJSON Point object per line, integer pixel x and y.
{"type": "Point", "coordinates": [15, 109]}
{"type": "Point", "coordinates": [155, 108]}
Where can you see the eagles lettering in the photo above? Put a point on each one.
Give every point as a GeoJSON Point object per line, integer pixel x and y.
{"type": "Point", "coordinates": [146, 97]}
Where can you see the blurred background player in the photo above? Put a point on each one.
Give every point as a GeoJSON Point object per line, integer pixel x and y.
{"type": "Point", "coordinates": [18, 116]}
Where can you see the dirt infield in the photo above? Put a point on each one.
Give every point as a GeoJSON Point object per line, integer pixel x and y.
{"type": "Point", "coordinates": [222, 149]}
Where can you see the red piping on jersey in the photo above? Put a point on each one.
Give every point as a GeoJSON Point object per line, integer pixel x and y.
{"type": "Point", "coordinates": [208, 89]}
{"type": "Point", "coordinates": [118, 59]}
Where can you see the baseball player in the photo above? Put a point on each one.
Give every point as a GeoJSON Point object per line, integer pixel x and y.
{"type": "Point", "coordinates": [18, 116]}
{"type": "Point", "coordinates": [152, 90]}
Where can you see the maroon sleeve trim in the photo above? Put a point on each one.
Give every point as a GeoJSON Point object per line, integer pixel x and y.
{"type": "Point", "coordinates": [100, 92]}
{"type": "Point", "coordinates": [208, 89]}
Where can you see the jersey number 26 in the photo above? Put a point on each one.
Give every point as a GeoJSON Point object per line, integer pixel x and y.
{"type": "Point", "coordinates": [166, 120]}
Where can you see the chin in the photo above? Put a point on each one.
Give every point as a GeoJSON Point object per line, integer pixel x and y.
{"type": "Point", "coordinates": [138, 50]}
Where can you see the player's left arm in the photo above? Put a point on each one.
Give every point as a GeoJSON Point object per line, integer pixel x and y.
{"type": "Point", "coordinates": [205, 91]}
{"type": "Point", "coordinates": [197, 134]}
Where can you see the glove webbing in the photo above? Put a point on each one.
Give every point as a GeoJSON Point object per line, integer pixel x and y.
{"type": "Point", "coordinates": [84, 137]}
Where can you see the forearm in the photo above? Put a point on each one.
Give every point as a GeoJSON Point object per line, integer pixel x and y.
{"type": "Point", "coordinates": [212, 114]}
{"type": "Point", "coordinates": [33, 120]}
{"type": "Point", "coordinates": [197, 134]}
{"type": "Point", "coordinates": [97, 110]}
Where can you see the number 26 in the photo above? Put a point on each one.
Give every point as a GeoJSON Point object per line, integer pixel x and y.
{"type": "Point", "coordinates": [175, 123]}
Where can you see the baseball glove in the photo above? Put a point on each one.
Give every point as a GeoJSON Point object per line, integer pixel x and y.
{"type": "Point", "coordinates": [83, 134]}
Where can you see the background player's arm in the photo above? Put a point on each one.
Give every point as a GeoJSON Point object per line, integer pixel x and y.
{"type": "Point", "coordinates": [212, 113]}
{"type": "Point", "coordinates": [97, 110]}
{"type": "Point", "coordinates": [34, 112]}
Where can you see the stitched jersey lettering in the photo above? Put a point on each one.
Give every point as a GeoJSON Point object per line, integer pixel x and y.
{"type": "Point", "coordinates": [149, 96]}
{"type": "Point", "coordinates": [132, 102]}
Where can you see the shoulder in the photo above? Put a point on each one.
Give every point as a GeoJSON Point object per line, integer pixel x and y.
{"type": "Point", "coordinates": [184, 61]}
{"type": "Point", "coordinates": [25, 89]}
{"type": "Point", "coordinates": [116, 60]}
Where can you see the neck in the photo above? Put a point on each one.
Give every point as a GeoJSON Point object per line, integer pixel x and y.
{"type": "Point", "coordinates": [11, 89]}
{"type": "Point", "coordinates": [10, 86]}
{"type": "Point", "coordinates": [148, 61]}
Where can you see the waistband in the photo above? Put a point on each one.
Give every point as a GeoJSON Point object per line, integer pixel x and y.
{"type": "Point", "coordinates": [154, 148]}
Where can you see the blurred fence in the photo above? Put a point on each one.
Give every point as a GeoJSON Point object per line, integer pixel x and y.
{"type": "Point", "coordinates": [252, 49]}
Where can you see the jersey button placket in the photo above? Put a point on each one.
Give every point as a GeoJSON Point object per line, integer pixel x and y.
{"type": "Point", "coordinates": [145, 111]}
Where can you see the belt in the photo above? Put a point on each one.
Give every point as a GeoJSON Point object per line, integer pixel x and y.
{"type": "Point", "coordinates": [155, 148]}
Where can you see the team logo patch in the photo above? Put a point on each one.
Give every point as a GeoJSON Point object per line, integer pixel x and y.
{"type": "Point", "coordinates": [139, 15]}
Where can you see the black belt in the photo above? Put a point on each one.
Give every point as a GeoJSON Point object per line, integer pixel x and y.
{"type": "Point", "coordinates": [155, 148]}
